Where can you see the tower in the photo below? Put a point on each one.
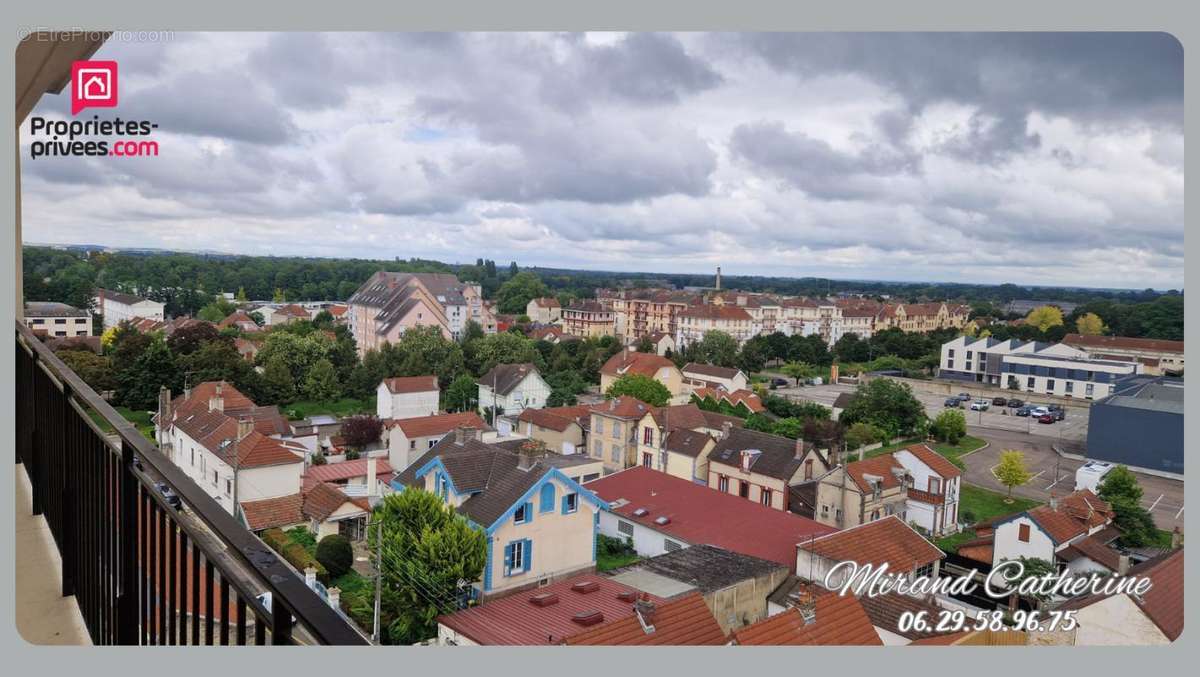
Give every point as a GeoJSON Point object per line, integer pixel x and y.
{"type": "Point", "coordinates": [718, 286]}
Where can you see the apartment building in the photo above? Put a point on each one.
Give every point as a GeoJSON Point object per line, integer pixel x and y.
{"type": "Point", "coordinates": [544, 310]}
{"type": "Point", "coordinates": [696, 321]}
{"type": "Point", "coordinates": [388, 304]}
{"type": "Point", "coordinates": [57, 320]}
{"type": "Point", "coordinates": [1156, 356]}
{"type": "Point", "coordinates": [612, 435]}
{"type": "Point", "coordinates": [922, 317]}
{"type": "Point", "coordinates": [116, 307]}
{"type": "Point", "coordinates": [1034, 367]}
{"type": "Point", "coordinates": [588, 319]}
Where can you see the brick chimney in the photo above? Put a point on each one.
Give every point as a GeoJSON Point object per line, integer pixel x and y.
{"type": "Point", "coordinates": [459, 436]}
{"type": "Point", "coordinates": [164, 407]}
{"type": "Point", "coordinates": [1053, 502]}
{"type": "Point", "coordinates": [217, 401]}
{"type": "Point", "coordinates": [726, 429]}
{"type": "Point", "coordinates": [645, 610]}
{"type": "Point", "coordinates": [525, 460]}
{"type": "Point", "coordinates": [372, 484]}
{"type": "Point", "coordinates": [799, 448]}
{"type": "Point", "coordinates": [245, 427]}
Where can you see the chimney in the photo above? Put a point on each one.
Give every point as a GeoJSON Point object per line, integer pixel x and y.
{"type": "Point", "coordinates": [335, 597]}
{"type": "Point", "coordinates": [1122, 564]}
{"type": "Point", "coordinates": [806, 604]}
{"type": "Point", "coordinates": [245, 427]}
{"type": "Point", "coordinates": [372, 488]}
{"type": "Point", "coordinates": [525, 460]}
{"type": "Point", "coordinates": [459, 435]}
{"type": "Point", "coordinates": [799, 448]}
{"type": "Point", "coordinates": [217, 401]}
{"type": "Point", "coordinates": [1176, 537]}
{"type": "Point", "coordinates": [645, 610]}
{"type": "Point", "coordinates": [310, 576]}
{"type": "Point", "coordinates": [726, 429]}
{"type": "Point", "coordinates": [1053, 502]}
{"type": "Point", "coordinates": [164, 407]}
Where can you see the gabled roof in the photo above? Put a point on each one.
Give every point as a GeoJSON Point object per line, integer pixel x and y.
{"type": "Point", "coordinates": [885, 611]}
{"type": "Point", "coordinates": [936, 462]}
{"type": "Point", "coordinates": [292, 310]}
{"type": "Point", "coordinates": [742, 396]}
{"type": "Point", "coordinates": [881, 467]}
{"type": "Point", "coordinates": [777, 457]}
{"type": "Point", "coordinates": [120, 297]}
{"type": "Point", "coordinates": [547, 302]}
{"type": "Point", "coordinates": [632, 362]}
{"type": "Point", "coordinates": [401, 385]}
{"type": "Point", "coordinates": [698, 514]}
{"type": "Point", "coordinates": [270, 513]}
{"type": "Point", "coordinates": [322, 500]}
{"type": "Point", "coordinates": [685, 621]}
{"type": "Point", "coordinates": [624, 407]}
{"type": "Point", "coordinates": [687, 442]}
{"type": "Point", "coordinates": [888, 540]}
{"type": "Point", "coordinates": [710, 370]}
{"type": "Point", "coordinates": [838, 621]}
{"type": "Point", "coordinates": [1163, 603]}
{"type": "Point", "coordinates": [524, 618]}
{"type": "Point", "coordinates": [438, 424]}
{"type": "Point", "coordinates": [238, 318]}
{"type": "Point", "coordinates": [505, 377]}
{"type": "Point", "coordinates": [558, 418]}
{"type": "Point", "coordinates": [1093, 549]}
{"type": "Point", "coordinates": [337, 472]}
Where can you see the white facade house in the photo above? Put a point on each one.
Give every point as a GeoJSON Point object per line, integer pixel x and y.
{"type": "Point", "coordinates": [117, 307]}
{"type": "Point", "coordinates": [513, 388]}
{"type": "Point", "coordinates": [933, 495]}
{"type": "Point", "coordinates": [647, 542]}
{"type": "Point", "coordinates": [407, 397]}
{"type": "Point", "coordinates": [58, 320]}
{"type": "Point", "coordinates": [1033, 367]}
{"type": "Point", "coordinates": [1047, 531]}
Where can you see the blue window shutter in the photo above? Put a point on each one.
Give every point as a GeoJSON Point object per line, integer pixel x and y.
{"type": "Point", "coordinates": [529, 511]}
{"type": "Point", "coordinates": [546, 497]}
{"type": "Point", "coordinates": [564, 504]}
{"type": "Point", "coordinates": [528, 554]}
{"type": "Point", "coordinates": [508, 559]}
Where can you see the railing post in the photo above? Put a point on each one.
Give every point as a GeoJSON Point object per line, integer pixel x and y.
{"type": "Point", "coordinates": [70, 500]}
{"type": "Point", "coordinates": [281, 624]}
{"type": "Point", "coordinates": [34, 462]}
{"type": "Point", "coordinates": [127, 601]}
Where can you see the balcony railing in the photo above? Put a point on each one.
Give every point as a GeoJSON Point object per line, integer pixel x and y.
{"type": "Point", "coordinates": [142, 572]}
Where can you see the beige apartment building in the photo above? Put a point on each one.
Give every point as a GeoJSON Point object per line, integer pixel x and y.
{"type": "Point", "coordinates": [588, 319]}
{"type": "Point", "coordinates": [861, 492]}
{"type": "Point", "coordinates": [613, 435]}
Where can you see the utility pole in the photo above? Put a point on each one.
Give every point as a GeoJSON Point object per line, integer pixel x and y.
{"type": "Point", "coordinates": [378, 578]}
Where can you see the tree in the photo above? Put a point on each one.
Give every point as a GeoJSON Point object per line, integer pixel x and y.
{"type": "Point", "coordinates": [95, 370]}
{"type": "Point", "coordinates": [1011, 471]}
{"type": "Point", "coordinates": [188, 339]}
{"type": "Point", "coordinates": [1120, 489]}
{"type": "Point", "coordinates": [472, 331]}
{"type": "Point", "coordinates": [517, 291]}
{"type": "Point", "coordinates": [427, 549]}
{"type": "Point", "coordinates": [278, 385]}
{"type": "Point", "coordinates": [502, 348]}
{"type": "Point", "coordinates": [641, 387]}
{"type": "Point", "coordinates": [421, 351]}
{"type": "Point", "coordinates": [645, 345]}
{"type": "Point", "coordinates": [278, 296]}
{"type": "Point", "coordinates": [887, 405]}
{"type": "Point", "coordinates": [360, 432]}
{"type": "Point", "coordinates": [335, 553]}
{"type": "Point", "coordinates": [299, 353]}
{"type": "Point", "coordinates": [321, 381]}
{"type": "Point", "coordinates": [461, 394]}
{"type": "Point", "coordinates": [950, 426]}
{"type": "Point", "coordinates": [798, 370]}
{"type": "Point", "coordinates": [138, 383]}
{"type": "Point", "coordinates": [1089, 324]}
{"type": "Point", "coordinates": [851, 348]}
{"type": "Point", "coordinates": [1044, 317]}
{"type": "Point", "coordinates": [754, 354]}
{"type": "Point", "coordinates": [241, 296]}
{"type": "Point", "coordinates": [860, 435]}
{"type": "Point", "coordinates": [1032, 567]}
{"type": "Point", "coordinates": [717, 348]}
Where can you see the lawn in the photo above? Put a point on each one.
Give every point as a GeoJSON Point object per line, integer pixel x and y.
{"type": "Point", "coordinates": [140, 420]}
{"type": "Point", "coordinates": [951, 543]}
{"type": "Point", "coordinates": [347, 406]}
{"type": "Point", "coordinates": [952, 452]}
{"type": "Point", "coordinates": [983, 504]}
{"type": "Point", "coordinates": [605, 562]}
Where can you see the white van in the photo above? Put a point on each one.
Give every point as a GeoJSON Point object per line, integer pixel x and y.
{"type": "Point", "coordinates": [1090, 475]}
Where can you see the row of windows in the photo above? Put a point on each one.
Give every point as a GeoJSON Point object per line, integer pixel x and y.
{"type": "Point", "coordinates": [764, 493]}
{"type": "Point", "coordinates": [60, 320]}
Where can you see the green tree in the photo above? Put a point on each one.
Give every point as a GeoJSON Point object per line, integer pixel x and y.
{"type": "Point", "coordinates": [335, 553]}
{"type": "Point", "coordinates": [641, 387]}
{"type": "Point", "coordinates": [278, 296]}
{"type": "Point", "coordinates": [461, 394]}
{"type": "Point", "coordinates": [798, 370]}
{"type": "Point", "coordinates": [1032, 567]}
{"type": "Point", "coordinates": [1089, 324]}
{"type": "Point", "coordinates": [278, 385]}
{"type": "Point", "coordinates": [501, 348]}
{"type": "Point", "coordinates": [517, 291]}
{"type": "Point", "coordinates": [1044, 317]}
{"type": "Point", "coordinates": [950, 426]}
{"type": "Point", "coordinates": [299, 352]}
{"type": "Point", "coordinates": [645, 345]}
{"type": "Point", "coordinates": [241, 296]}
{"type": "Point", "coordinates": [138, 383]}
{"type": "Point", "coordinates": [95, 370]}
{"type": "Point", "coordinates": [1120, 489]}
{"type": "Point", "coordinates": [860, 435]}
{"type": "Point", "coordinates": [427, 549]}
{"type": "Point", "coordinates": [1011, 471]}
{"type": "Point", "coordinates": [425, 350]}
{"type": "Point", "coordinates": [321, 381]}
{"type": "Point", "coordinates": [717, 348]}
{"type": "Point", "coordinates": [472, 331]}
{"type": "Point", "coordinates": [887, 405]}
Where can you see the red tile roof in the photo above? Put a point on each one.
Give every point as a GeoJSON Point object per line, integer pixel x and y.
{"type": "Point", "coordinates": [438, 424]}
{"type": "Point", "coordinates": [934, 460]}
{"type": "Point", "coordinates": [700, 515]}
{"type": "Point", "coordinates": [887, 540]}
{"type": "Point", "coordinates": [839, 621]}
{"type": "Point", "coordinates": [941, 640]}
{"type": "Point", "coordinates": [624, 406]}
{"type": "Point", "coordinates": [411, 384]}
{"type": "Point", "coordinates": [323, 500]}
{"type": "Point", "coordinates": [336, 472]}
{"type": "Point", "coordinates": [685, 621]}
{"type": "Point", "coordinates": [1163, 603]}
{"type": "Point", "coordinates": [878, 466]}
{"type": "Point", "coordinates": [1123, 342]}
{"type": "Point", "coordinates": [517, 620]}
{"type": "Point", "coordinates": [293, 310]}
{"type": "Point", "coordinates": [1060, 525]}
{"type": "Point", "coordinates": [714, 312]}
{"type": "Point", "coordinates": [557, 418]}
{"type": "Point", "coordinates": [632, 362]}
{"type": "Point", "coordinates": [270, 513]}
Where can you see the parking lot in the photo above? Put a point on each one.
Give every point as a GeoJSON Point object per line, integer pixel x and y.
{"type": "Point", "coordinates": [1072, 429]}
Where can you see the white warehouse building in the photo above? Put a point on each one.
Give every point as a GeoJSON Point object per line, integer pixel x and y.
{"type": "Point", "coordinates": [1034, 367]}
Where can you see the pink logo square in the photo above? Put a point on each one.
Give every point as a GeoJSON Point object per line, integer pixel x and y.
{"type": "Point", "coordinates": [93, 85]}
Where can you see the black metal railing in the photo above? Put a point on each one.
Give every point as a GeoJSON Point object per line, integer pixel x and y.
{"type": "Point", "coordinates": [142, 572]}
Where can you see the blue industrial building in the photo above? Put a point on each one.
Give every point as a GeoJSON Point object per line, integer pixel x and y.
{"type": "Point", "coordinates": [1140, 425]}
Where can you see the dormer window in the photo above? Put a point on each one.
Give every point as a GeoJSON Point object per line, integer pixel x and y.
{"type": "Point", "coordinates": [520, 516]}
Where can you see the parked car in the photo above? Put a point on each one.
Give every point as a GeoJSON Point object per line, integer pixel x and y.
{"type": "Point", "coordinates": [1039, 411]}
{"type": "Point", "coordinates": [953, 402]}
{"type": "Point", "coordinates": [965, 397]}
{"type": "Point", "coordinates": [1023, 411]}
{"type": "Point", "coordinates": [999, 402]}
{"type": "Point", "coordinates": [1014, 403]}
{"type": "Point", "coordinates": [169, 495]}
{"type": "Point", "coordinates": [979, 405]}
{"type": "Point", "coordinates": [1046, 418]}
{"type": "Point", "coordinates": [779, 381]}
{"type": "Point", "coordinates": [1057, 411]}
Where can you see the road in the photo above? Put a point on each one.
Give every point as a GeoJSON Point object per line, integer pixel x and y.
{"type": "Point", "coordinates": [1072, 430]}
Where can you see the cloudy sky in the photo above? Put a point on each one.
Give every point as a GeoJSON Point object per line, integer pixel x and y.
{"type": "Point", "coordinates": [1027, 158]}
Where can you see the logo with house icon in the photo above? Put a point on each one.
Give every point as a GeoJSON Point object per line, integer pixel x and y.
{"type": "Point", "coordinates": [93, 85]}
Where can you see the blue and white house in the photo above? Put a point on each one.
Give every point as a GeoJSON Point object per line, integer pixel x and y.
{"type": "Point", "coordinates": [541, 525]}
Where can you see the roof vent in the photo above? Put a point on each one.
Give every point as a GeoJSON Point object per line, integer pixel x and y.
{"type": "Point", "coordinates": [585, 587]}
{"type": "Point", "coordinates": [545, 599]}
{"type": "Point", "coordinates": [641, 512]}
{"type": "Point", "coordinates": [664, 520]}
{"type": "Point", "coordinates": [629, 596]}
{"type": "Point", "coordinates": [587, 618]}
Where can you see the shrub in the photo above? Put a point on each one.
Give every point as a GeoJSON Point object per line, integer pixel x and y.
{"type": "Point", "coordinates": [292, 551]}
{"type": "Point", "coordinates": [335, 554]}
{"type": "Point", "coordinates": [614, 547]}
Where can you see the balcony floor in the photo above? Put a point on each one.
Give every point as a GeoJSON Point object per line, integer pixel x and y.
{"type": "Point", "coordinates": [44, 616]}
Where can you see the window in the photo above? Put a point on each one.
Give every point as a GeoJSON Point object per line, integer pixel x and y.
{"type": "Point", "coordinates": [193, 457]}
{"type": "Point", "coordinates": [874, 514]}
{"type": "Point", "coordinates": [431, 443]}
{"type": "Point", "coordinates": [616, 453]}
{"type": "Point", "coordinates": [412, 444]}
{"type": "Point", "coordinates": [228, 487]}
{"type": "Point", "coordinates": [723, 484]}
{"type": "Point", "coordinates": [215, 478]}
{"type": "Point", "coordinates": [1087, 389]}
{"type": "Point", "coordinates": [570, 503]}
{"type": "Point", "coordinates": [625, 527]}
{"type": "Point", "coordinates": [968, 354]}
{"type": "Point", "coordinates": [444, 487]}
{"type": "Point", "coordinates": [935, 485]}
{"type": "Point", "coordinates": [671, 546]}
{"type": "Point", "coordinates": [520, 516]}
{"type": "Point", "coordinates": [808, 469]}
{"type": "Point", "coordinates": [1023, 533]}
{"type": "Point", "coordinates": [1049, 385]}
{"type": "Point", "coordinates": [517, 559]}
{"type": "Point", "coordinates": [598, 449]}
{"type": "Point", "coordinates": [1069, 386]}
{"type": "Point", "coordinates": [743, 489]}
{"type": "Point", "coordinates": [616, 431]}
{"type": "Point", "coordinates": [764, 497]}
{"type": "Point", "coordinates": [647, 460]}
{"type": "Point", "coordinates": [1030, 384]}
{"type": "Point", "coordinates": [950, 353]}
{"type": "Point", "coordinates": [950, 363]}
{"type": "Point", "coordinates": [926, 571]}
{"type": "Point", "coordinates": [599, 426]}
{"type": "Point", "coordinates": [60, 321]}
{"type": "Point", "coordinates": [968, 365]}
{"type": "Point", "coordinates": [648, 436]}
{"type": "Point", "coordinates": [546, 498]}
